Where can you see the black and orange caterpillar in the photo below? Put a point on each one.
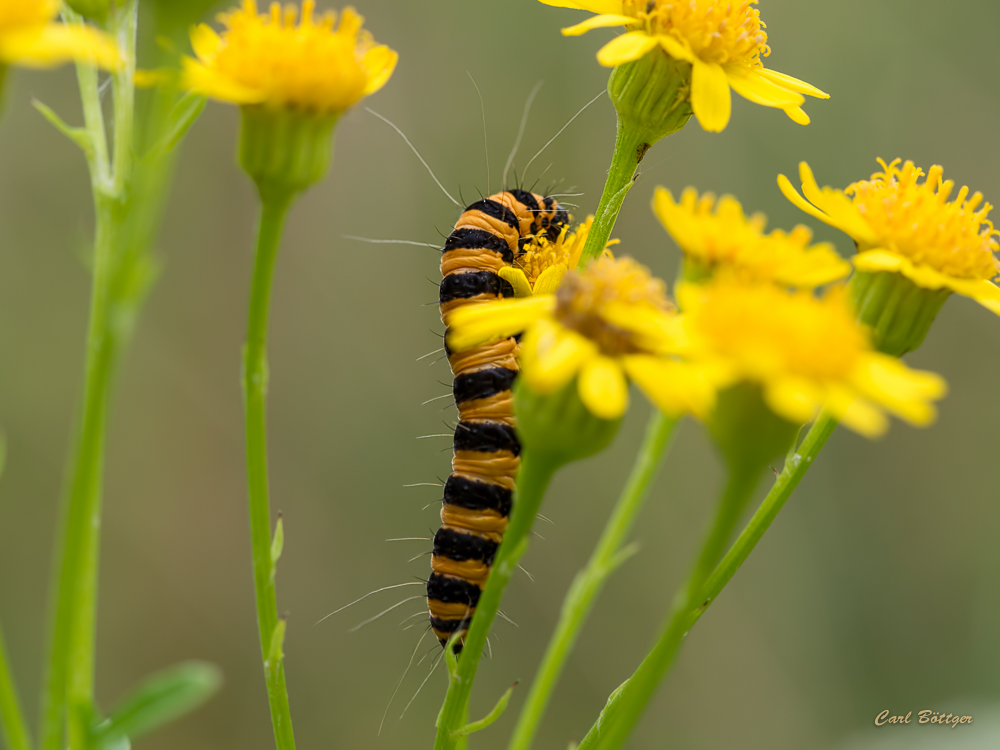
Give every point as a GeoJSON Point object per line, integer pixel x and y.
{"type": "Point", "coordinates": [478, 495]}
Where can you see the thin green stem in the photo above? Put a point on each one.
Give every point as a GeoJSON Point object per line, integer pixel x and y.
{"type": "Point", "coordinates": [627, 155]}
{"type": "Point", "coordinates": [70, 672]}
{"type": "Point", "coordinates": [607, 556]}
{"type": "Point", "coordinates": [14, 727]}
{"type": "Point", "coordinates": [532, 481]}
{"type": "Point", "coordinates": [703, 586]}
{"type": "Point", "coordinates": [272, 221]}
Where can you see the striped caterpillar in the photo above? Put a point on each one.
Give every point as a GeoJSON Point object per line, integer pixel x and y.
{"type": "Point", "coordinates": [479, 492]}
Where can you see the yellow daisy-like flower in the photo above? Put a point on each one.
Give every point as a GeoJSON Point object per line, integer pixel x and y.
{"type": "Point", "coordinates": [910, 227]}
{"type": "Point", "coordinates": [30, 37]}
{"type": "Point", "coordinates": [315, 65]}
{"type": "Point", "coordinates": [604, 325]}
{"type": "Point", "coordinates": [805, 353]}
{"type": "Point", "coordinates": [716, 234]}
{"type": "Point", "coordinates": [723, 41]}
{"type": "Point", "coordinates": [540, 268]}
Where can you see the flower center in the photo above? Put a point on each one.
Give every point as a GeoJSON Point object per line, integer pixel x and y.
{"type": "Point", "coordinates": [309, 65]}
{"type": "Point", "coordinates": [541, 253]}
{"type": "Point", "coordinates": [917, 220]}
{"type": "Point", "coordinates": [15, 13]}
{"type": "Point", "coordinates": [766, 330]}
{"type": "Point", "coordinates": [718, 32]}
{"type": "Point", "coordinates": [604, 289]}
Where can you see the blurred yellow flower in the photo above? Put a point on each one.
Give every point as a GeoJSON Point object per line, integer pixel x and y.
{"type": "Point", "coordinates": [605, 325]}
{"type": "Point", "coordinates": [805, 353]}
{"type": "Point", "coordinates": [316, 66]}
{"type": "Point", "coordinates": [909, 227]}
{"type": "Point", "coordinates": [723, 41]}
{"type": "Point", "coordinates": [715, 234]}
{"type": "Point", "coordinates": [30, 37]}
{"type": "Point", "coordinates": [542, 264]}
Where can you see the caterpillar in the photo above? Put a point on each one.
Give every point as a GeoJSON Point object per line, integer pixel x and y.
{"type": "Point", "coordinates": [479, 492]}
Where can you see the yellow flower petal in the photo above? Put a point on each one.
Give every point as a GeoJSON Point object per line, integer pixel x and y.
{"type": "Point", "coordinates": [476, 324]}
{"type": "Point", "coordinates": [793, 84]}
{"type": "Point", "coordinates": [611, 7]}
{"type": "Point", "coordinates": [200, 79]}
{"type": "Point", "coordinates": [517, 279]}
{"type": "Point", "coordinates": [710, 98]}
{"type": "Point", "coordinates": [796, 399]}
{"type": "Point", "coordinates": [603, 388]}
{"type": "Point", "coordinates": [858, 414]}
{"type": "Point", "coordinates": [797, 115]}
{"type": "Point", "coordinates": [379, 62]}
{"type": "Point", "coordinates": [748, 83]}
{"type": "Point", "coordinates": [677, 49]}
{"type": "Point", "coordinates": [548, 280]}
{"type": "Point", "coordinates": [789, 191]}
{"type": "Point", "coordinates": [597, 22]}
{"type": "Point", "coordinates": [56, 43]}
{"type": "Point", "coordinates": [625, 48]}
{"type": "Point", "coordinates": [676, 388]}
{"type": "Point", "coordinates": [205, 42]}
{"type": "Point", "coordinates": [878, 260]}
{"type": "Point", "coordinates": [551, 355]}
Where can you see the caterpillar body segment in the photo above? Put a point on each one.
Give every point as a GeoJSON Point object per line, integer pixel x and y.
{"type": "Point", "coordinates": [478, 495]}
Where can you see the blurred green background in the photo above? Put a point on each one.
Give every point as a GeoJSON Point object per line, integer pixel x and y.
{"type": "Point", "coordinates": [876, 589]}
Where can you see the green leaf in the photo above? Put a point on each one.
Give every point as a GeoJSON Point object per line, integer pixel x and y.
{"type": "Point", "coordinates": [492, 716]}
{"type": "Point", "coordinates": [157, 701]}
{"type": "Point", "coordinates": [277, 544]}
{"type": "Point", "coordinates": [79, 136]}
{"type": "Point", "coordinates": [276, 652]}
{"type": "Point", "coordinates": [183, 115]}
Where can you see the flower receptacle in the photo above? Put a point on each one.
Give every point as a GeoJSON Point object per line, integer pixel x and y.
{"type": "Point", "coordinates": [651, 96]}
{"type": "Point", "coordinates": [898, 311]}
{"type": "Point", "coordinates": [558, 425]}
{"type": "Point", "coordinates": [284, 150]}
{"type": "Point", "coordinates": [748, 433]}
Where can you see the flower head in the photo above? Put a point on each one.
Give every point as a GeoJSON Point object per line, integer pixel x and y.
{"type": "Point", "coordinates": [31, 37]}
{"type": "Point", "coordinates": [542, 264]}
{"type": "Point", "coordinates": [716, 234]}
{"type": "Point", "coordinates": [604, 325]}
{"type": "Point", "coordinates": [723, 41]}
{"type": "Point", "coordinates": [316, 65]}
{"type": "Point", "coordinates": [805, 353]}
{"type": "Point", "coordinates": [906, 226]}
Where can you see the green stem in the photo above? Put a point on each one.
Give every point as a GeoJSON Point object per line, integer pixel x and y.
{"type": "Point", "coordinates": [532, 481]}
{"type": "Point", "coordinates": [272, 220]}
{"type": "Point", "coordinates": [14, 727]}
{"type": "Point", "coordinates": [587, 585]}
{"type": "Point", "coordinates": [703, 586]}
{"type": "Point", "coordinates": [70, 673]}
{"type": "Point", "coordinates": [629, 150]}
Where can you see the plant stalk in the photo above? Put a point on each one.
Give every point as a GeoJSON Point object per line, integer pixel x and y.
{"type": "Point", "coordinates": [626, 705]}
{"type": "Point", "coordinates": [13, 727]}
{"type": "Point", "coordinates": [607, 556]}
{"type": "Point", "coordinates": [272, 220]}
{"type": "Point", "coordinates": [532, 481]}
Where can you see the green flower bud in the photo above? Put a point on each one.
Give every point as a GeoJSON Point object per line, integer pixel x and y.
{"type": "Point", "coordinates": [898, 311]}
{"type": "Point", "coordinates": [285, 150]}
{"type": "Point", "coordinates": [652, 96]}
{"type": "Point", "coordinates": [558, 425]}
{"type": "Point", "coordinates": [96, 10]}
{"type": "Point", "coordinates": [746, 431]}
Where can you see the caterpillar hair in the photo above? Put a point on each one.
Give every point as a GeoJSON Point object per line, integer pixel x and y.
{"type": "Point", "coordinates": [478, 495]}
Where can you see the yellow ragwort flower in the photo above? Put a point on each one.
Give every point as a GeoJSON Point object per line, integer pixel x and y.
{"type": "Point", "coordinates": [30, 37]}
{"type": "Point", "coordinates": [805, 353]}
{"type": "Point", "coordinates": [723, 41]}
{"type": "Point", "coordinates": [909, 227]}
{"type": "Point", "coordinates": [315, 65]}
{"type": "Point", "coordinates": [543, 263]}
{"type": "Point", "coordinates": [606, 324]}
{"type": "Point", "coordinates": [717, 235]}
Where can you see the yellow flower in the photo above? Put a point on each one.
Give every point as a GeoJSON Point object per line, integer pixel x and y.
{"type": "Point", "coordinates": [804, 352]}
{"type": "Point", "coordinates": [909, 227]}
{"type": "Point", "coordinates": [717, 235]}
{"type": "Point", "coordinates": [543, 263]}
{"type": "Point", "coordinates": [723, 41]}
{"type": "Point", "coordinates": [30, 37]}
{"type": "Point", "coordinates": [604, 325]}
{"type": "Point", "coordinates": [267, 59]}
